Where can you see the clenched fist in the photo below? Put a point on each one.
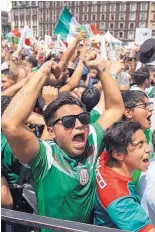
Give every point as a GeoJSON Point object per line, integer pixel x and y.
{"type": "Point", "coordinates": [49, 94]}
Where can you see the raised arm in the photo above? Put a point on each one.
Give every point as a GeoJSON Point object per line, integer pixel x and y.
{"type": "Point", "coordinates": [66, 57]}
{"type": "Point", "coordinates": [114, 106]}
{"type": "Point", "coordinates": [12, 90]}
{"type": "Point", "coordinates": [23, 142]}
{"type": "Point", "coordinates": [75, 78]}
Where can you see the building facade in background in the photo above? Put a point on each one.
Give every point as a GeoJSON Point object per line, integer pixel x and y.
{"type": "Point", "coordinates": [151, 18]}
{"type": "Point", "coordinates": [25, 13]}
{"type": "Point", "coordinates": [5, 22]}
{"type": "Point", "coordinates": [120, 18]}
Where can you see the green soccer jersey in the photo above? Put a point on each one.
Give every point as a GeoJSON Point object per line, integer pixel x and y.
{"type": "Point", "coordinates": [65, 186]}
{"type": "Point", "coordinates": [94, 115]}
{"type": "Point", "coordinates": [150, 91]}
{"type": "Point", "coordinates": [15, 170]}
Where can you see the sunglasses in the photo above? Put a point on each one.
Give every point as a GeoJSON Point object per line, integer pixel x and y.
{"type": "Point", "coordinates": [69, 121]}
{"type": "Point", "coordinates": [147, 106]}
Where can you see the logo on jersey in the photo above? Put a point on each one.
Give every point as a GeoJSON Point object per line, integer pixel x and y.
{"type": "Point", "coordinates": [101, 182]}
{"type": "Point", "coordinates": [84, 177]}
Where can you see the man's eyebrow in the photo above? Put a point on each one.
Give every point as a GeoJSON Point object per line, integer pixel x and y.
{"type": "Point", "coordinates": [137, 143]}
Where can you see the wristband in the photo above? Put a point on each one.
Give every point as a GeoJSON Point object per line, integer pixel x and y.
{"type": "Point", "coordinates": [44, 108]}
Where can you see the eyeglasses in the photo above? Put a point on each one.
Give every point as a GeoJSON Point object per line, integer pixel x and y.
{"type": "Point", "coordinates": [145, 106]}
{"type": "Point", "coordinates": [69, 120]}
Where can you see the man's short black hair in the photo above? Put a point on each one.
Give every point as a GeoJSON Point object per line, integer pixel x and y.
{"type": "Point", "coordinates": [119, 136]}
{"type": "Point", "coordinates": [9, 74]}
{"type": "Point", "coordinates": [5, 100]}
{"type": "Point", "coordinates": [64, 98]}
{"type": "Point", "coordinates": [5, 71]}
{"type": "Point", "coordinates": [141, 75]}
{"type": "Point", "coordinates": [90, 97]}
{"type": "Point", "coordinates": [132, 97]}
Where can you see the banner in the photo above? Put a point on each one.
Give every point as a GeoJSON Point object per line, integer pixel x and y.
{"type": "Point", "coordinates": [47, 42]}
{"type": "Point", "coordinates": [142, 34]}
{"type": "Point", "coordinates": [22, 38]}
{"type": "Point", "coordinates": [103, 49]}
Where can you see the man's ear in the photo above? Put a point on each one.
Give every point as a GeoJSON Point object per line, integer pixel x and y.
{"type": "Point", "coordinates": [128, 113]}
{"type": "Point", "coordinates": [51, 132]}
{"type": "Point", "coordinates": [118, 156]}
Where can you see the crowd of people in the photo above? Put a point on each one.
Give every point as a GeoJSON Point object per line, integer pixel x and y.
{"type": "Point", "coordinates": [79, 130]}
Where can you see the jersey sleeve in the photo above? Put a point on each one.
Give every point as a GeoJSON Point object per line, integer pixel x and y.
{"type": "Point", "coordinates": [94, 115]}
{"type": "Point", "coordinates": [97, 133]}
{"type": "Point", "coordinates": [41, 164]}
{"type": "Point", "coordinates": [128, 215]}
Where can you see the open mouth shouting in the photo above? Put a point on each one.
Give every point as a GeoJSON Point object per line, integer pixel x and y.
{"type": "Point", "coordinates": [79, 140]}
{"type": "Point", "coordinates": [149, 118]}
{"type": "Point", "coordinates": [146, 161]}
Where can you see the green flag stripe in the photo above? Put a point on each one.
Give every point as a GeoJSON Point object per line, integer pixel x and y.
{"type": "Point", "coordinates": [63, 25]}
{"type": "Point", "coordinates": [151, 91]}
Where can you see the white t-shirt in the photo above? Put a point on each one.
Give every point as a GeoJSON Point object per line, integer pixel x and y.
{"type": "Point", "coordinates": [135, 87]}
{"type": "Point", "coordinates": [146, 190]}
{"type": "Point", "coordinates": [153, 115]}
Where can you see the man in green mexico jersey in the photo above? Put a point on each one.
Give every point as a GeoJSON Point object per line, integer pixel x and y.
{"type": "Point", "coordinates": [63, 169]}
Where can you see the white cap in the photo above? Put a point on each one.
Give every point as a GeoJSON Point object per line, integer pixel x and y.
{"type": "Point", "coordinates": [4, 66]}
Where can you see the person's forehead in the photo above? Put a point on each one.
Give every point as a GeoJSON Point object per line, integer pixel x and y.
{"type": "Point", "coordinates": [138, 136]}
{"type": "Point", "coordinates": [26, 62]}
{"type": "Point", "coordinates": [4, 77]}
{"type": "Point", "coordinates": [143, 99]}
{"type": "Point", "coordinates": [68, 110]}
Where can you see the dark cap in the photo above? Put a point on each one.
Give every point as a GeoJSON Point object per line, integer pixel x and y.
{"type": "Point", "coordinates": [147, 52]}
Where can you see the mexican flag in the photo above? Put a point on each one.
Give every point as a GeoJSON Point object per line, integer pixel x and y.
{"type": "Point", "coordinates": [15, 33]}
{"type": "Point", "coordinates": [67, 26]}
{"type": "Point", "coordinates": [91, 29]}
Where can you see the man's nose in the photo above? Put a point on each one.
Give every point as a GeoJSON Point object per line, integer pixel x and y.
{"type": "Point", "coordinates": [78, 124]}
{"type": "Point", "coordinates": [148, 149]}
